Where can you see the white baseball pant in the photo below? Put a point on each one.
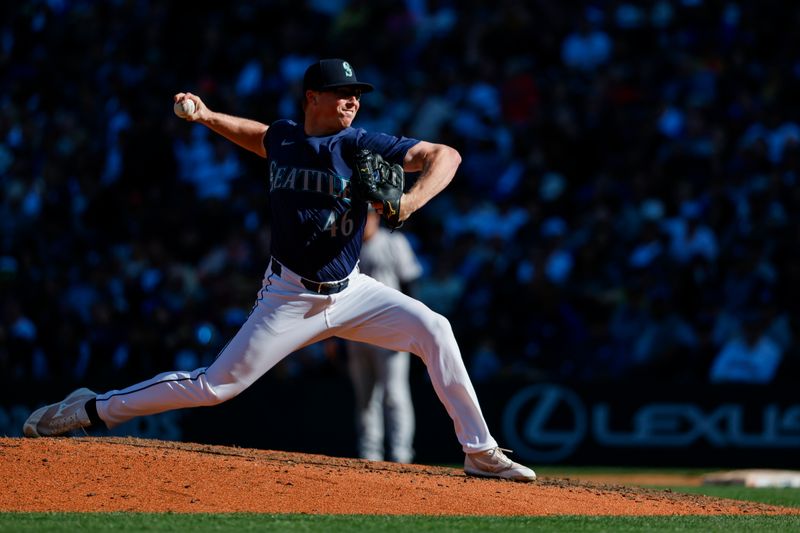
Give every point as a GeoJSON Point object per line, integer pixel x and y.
{"type": "Point", "coordinates": [287, 317]}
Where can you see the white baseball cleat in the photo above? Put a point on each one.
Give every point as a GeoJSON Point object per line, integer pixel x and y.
{"type": "Point", "coordinates": [62, 417]}
{"type": "Point", "coordinates": [494, 463]}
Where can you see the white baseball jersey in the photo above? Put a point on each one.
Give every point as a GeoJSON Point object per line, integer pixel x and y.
{"type": "Point", "coordinates": [388, 258]}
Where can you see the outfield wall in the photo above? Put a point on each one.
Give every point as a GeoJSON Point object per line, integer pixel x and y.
{"type": "Point", "coordinates": [544, 423]}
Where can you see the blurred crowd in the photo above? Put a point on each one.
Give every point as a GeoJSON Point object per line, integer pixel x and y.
{"type": "Point", "coordinates": [627, 205]}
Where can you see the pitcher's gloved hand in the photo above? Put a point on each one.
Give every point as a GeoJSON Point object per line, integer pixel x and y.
{"type": "Point", "coordinates": [375, 180]}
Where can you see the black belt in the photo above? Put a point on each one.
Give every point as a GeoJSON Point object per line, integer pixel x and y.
{"type": "Point", "coordinates": [320, 287]}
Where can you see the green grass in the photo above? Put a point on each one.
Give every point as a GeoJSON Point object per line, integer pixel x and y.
{"type": "Point", "coordinates": [44, 522]}
{"type": "Point", "coordinates": [786, 497]}
{"type": "Point", "coordinates": [772, 496]}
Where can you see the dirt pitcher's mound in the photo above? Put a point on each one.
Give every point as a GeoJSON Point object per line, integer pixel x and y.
{"type": "Point", "coordinates": [112, 474]}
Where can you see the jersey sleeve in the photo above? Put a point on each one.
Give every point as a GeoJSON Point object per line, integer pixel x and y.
{"type": "Point", "coordinates": [274, 129]}
{"type": "Point", "coordinates": [392, 149]}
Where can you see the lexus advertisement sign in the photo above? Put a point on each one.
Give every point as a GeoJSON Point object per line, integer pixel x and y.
{"type": "Point", "coordinates": [746, 427]}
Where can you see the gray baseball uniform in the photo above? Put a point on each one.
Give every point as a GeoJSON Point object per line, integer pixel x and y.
{"type": "Point", "coordinates": [384, 409]}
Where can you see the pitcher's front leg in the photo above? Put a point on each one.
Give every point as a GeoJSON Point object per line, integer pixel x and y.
{"type": "Point", "coordinates": [376, 314]}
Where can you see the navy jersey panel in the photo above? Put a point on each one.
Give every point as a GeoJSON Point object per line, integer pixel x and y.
{"type": "Point", "coordinates": [316, 226]}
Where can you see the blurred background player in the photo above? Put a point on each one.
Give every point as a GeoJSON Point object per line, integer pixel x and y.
{"type": "Point", "coordinates": [384, 409]}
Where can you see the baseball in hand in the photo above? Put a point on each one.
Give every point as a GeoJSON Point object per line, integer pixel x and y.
{"type": "Point", "coordinates": [184, 108]}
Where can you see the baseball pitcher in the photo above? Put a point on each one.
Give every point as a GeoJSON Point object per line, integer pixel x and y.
{"type": "Point", "coordinates": [322, 175]}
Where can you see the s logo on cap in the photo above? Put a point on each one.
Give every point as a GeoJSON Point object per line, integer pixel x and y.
{"type": "Point", "coordinates": [348, 71]}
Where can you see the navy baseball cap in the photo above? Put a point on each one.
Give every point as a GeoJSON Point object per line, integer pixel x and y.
{"type": "Point", "coordinates": [331, 73]}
